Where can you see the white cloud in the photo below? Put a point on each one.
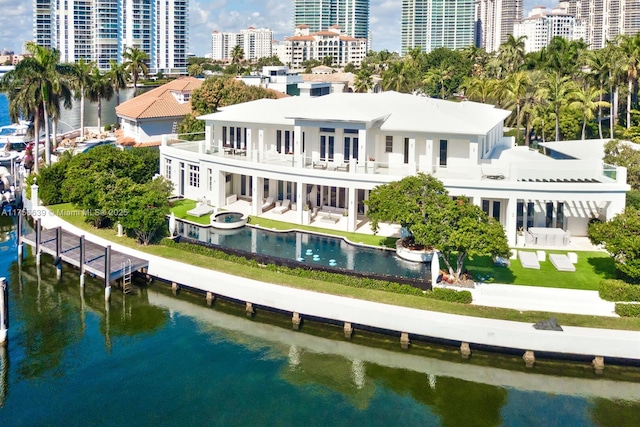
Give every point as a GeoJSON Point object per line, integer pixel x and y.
{"type": "Point", "coordinates": [16, 21]}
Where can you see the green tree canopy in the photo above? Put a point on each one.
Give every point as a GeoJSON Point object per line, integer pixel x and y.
{"type": "Point", "coordinates": [145, 208]}
{"type": "Point", "coordinates": [621, 238]}
{"type": "Point", "coordinates": [423, 206]}
{"type": "Point", "coordinates": [621, 154]}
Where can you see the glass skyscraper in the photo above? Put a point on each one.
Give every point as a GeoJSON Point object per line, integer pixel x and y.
{"type": "Point", "coordinates": [351, 15]}
{"type": "Point", "coordinates": [102, 30]}
{"type": "Point", "coordinates": [431, 24]}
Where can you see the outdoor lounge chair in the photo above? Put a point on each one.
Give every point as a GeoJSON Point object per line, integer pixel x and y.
{"type": "Point", "coordinates": [201, 209]}
{"type": "Point", "coordinates": [561, 262]}
{"type": "Point", "coordinates": [268, 204]}
{"type": "Point", "coordinates": [529, 260]}
{"type": "Point", "coordinates": [284, 206]}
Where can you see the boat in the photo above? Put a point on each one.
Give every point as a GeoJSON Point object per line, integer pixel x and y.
{"type": "Point", "coordinates": [84, 146]}
{"type": "Point", "coordinates": [10, 199]}
{"type": "Point", "coordinates": [15, 132]}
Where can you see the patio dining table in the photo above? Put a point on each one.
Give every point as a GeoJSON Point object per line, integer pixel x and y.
{"type": "Point", "coordinates": [543, 236]}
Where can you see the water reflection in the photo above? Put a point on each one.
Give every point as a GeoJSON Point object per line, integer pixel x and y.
{"type": "Point", "coordinates": [68, 346]}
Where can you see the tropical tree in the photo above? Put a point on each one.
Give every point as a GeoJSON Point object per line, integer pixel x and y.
{"type": "Point", "coordinates": [479, 88]}
{"type": "Point", "coordinates": [559, 90]}
{"type": "Point", "coordinates": [599, 69]}
{"type": "Point", "coordinates": [396, 77]}
{"type": "Point", "coordinates": [587, 99]}
{"type": "Point", "coordinates": [621, 238]}
{"type": "Point", "coordinates": [99, 88]}
{"type": "Point", "coordinates": [237, 54]}
{"type": "Point", "coordinates": [421, 205]}
{"type": "Point", "coordinates": [362, 80]}
{"type": "Point", "coordinates": [118, 77]}
{"type": "Point", "coordinates": [195, 70]}
{"type": "Point", "coordinates": [630, 48]}
{"type": "Point", "coordinates": [515, 88]}
{"type": "Point", "coordinates": [512, 54]}
{"type": "Point", "coordinates": [135, 61]}
{"type": "Point", "coordinates": [437, 77]}
{"type": "Point", "coordinates": [82, 75]}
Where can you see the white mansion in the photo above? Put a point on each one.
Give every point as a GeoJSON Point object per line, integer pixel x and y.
{"type": "Point", "coordinates": [327, 153]}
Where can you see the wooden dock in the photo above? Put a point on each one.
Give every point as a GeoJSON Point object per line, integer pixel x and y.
{"type": "Point", "coordinates": [89, 257]}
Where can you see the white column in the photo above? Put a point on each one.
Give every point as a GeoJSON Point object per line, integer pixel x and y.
{"type": "Point", "coordinates": [218, 186]}
{"type": "Point", "coordinates": [257, 188]}
{"type": "Point", "coordinates": [362, 147]}
{"type": "Point", "coordinates": [208, 137]}
{"type": "Point", "coordinates": [216, 133]}
{"type": "Point", "coordinates": [260, 144]}
{"type": "Point", "coordinates": [412, 156]}
{"type": "Point", "coordinates": [510, 220]}
{"type": "Point", "coordinates": [301, 197]}
{"type": "Point", "coordinates": [430, 159]}
{"type": "Point", "coordinates": [297, 147]}
{"type": "Point", "coordinates": [248, 144]}
{"type": "Point", "coordinates": [352, 210]}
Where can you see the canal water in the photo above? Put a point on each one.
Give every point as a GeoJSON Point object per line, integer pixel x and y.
{"type": "Point", "coordinates": [152, 358]}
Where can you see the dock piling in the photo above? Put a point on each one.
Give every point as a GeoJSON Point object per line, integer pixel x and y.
{"type": "Point", "coordinates": [529, 358]}
{"type": "Point", "coordinates": [211, 297]}
{"type": "Point", "coordinates": [296, 320]}
{"type": "Point", "coordinates": [175, 288]}
{"type": "Point", "coordinates": [598, 364]}
{"type": "Point", "coordinates": [81, 256]}
{"type": "Point", "coordinates": [348, 330]}
{"type": "Point", "coordinates": [57, 261]}
{"type": "Point", "coordinates": [19, 233]}
{"type": "Point", "coordinates": [38, 238]}
{"type": "Point", "coordinates": [4, 311]}
{"type": "Point", "coordinates": [404, 340]}
{"type": "Point", "coordinates": [249, 309]}
{"type": "Point", "coordinates": [107, 273]}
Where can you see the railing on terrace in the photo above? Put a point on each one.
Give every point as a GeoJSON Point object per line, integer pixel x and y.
{"type": "Point", "coordinates": [610, 171]}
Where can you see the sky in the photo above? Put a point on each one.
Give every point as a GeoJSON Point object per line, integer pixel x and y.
{"type": "Point", "coordinates": [16, 20]}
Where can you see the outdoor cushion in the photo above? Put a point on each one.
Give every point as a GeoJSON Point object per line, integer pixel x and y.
{"type": "Point", "coordinates": [529, 260]}
{"type": "Point", "coordinates": [561, 262]}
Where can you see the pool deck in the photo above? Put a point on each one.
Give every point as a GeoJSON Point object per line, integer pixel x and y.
{"type": "Point", "coordinates": [409, 322]}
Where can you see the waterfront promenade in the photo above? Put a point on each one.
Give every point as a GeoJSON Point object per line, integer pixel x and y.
{"type": "Point", "coordinates": [590, 342]}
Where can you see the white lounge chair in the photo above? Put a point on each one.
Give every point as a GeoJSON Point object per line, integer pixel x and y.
{"type": "Point", "coordinates": [529, 259]}
{"type": "Point", "coordinates": [267, 204]}
{"type": "Point", "coordinates": [283, 207]}
{"type": "Point", "coordinates": [561, 262]}
{"type": "Point", "coordinates": [201, 209]}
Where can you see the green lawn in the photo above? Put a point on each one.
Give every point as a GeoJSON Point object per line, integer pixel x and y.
{"type": "Point", "coordinates": [276, 277]}
{"type": "Point", "coordinates": [180, 208]}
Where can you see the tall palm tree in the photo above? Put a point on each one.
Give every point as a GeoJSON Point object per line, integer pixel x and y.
{"type": "Point", "coordinates": [532, 104]}
{"type": "Point", "coordinates": [135, 64]}
{"type": "Point", "coordinates": [515, 88]}
{"type": "Point", "coordinates": [237, 54]}
{"type": "Point", "coordinates": [560, 90]}
{"type": "Point", "coordinates": [118, 77]}
{"type": "Point", "coordinates": [511, 53]}
{"type": "Point", "coordinates": [396, 77]}
{"type": "Point", "coordinates": [479, 88]}
{"type": "Point", "coordinates": [614, 58]}
{"type": "Point", "coordinates": [599, 69]}
{"type": "Point", "coordinates": [439, 76]}
{"type": "Point", "coordinates": [630, 47]}
{"type": "Point", "coordinates": [587, 99]}
{"type": "Point", "coordinates": [82, 72]}
{"type": "Point", "coordinates": [99, 88]}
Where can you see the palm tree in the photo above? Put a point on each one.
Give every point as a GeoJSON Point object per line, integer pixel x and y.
{"type": "Point", "coordinates": [515, 87]}
{"type": "Point", "coordinates": [237, 54]}
{"type": "Point", "coordinates": [396, 77]}
{"type": "Point", "coordinates": [82, 72]}
{"type": "Point", "coordinates": [532, 104]}
{"type": "Point", "coordinates": [512, 53]}
{"type": "Point", "coordinates": [135, 64]}
{"type": "Point", "coordinates": [630, 46]}
{"type": "Point", "coordinates": [99, 88]}
{"type": "Point", "coordinates": [479, 88]}
{"type": "Point", "coordinates": [599, 69]}
{"type": "Point", "coordinates": [587, 99]}
{"type": "Point", "coordinates": [613, 56]}
{"type": "Point", "coordinates": [363, 81]}
{"type": "Point", "coordinates": [439, 75]}
{"type": "Point", "coordinates": [560, 90]}
{"type": "Point", "coordinates": [118, 77]}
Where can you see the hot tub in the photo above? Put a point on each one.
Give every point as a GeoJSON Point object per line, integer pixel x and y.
{"type": "Point", "coordinates": [228, 220]}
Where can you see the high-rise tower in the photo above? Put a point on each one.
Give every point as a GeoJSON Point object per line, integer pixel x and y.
{"type": "Point", "coordinates": [495, 20]}
{"type": "Point", "coordinates": [351, 15]}
{"type": "Point", "coordinates": [102, 30]}
{"type": "Point", "coordinates": [431, 24]}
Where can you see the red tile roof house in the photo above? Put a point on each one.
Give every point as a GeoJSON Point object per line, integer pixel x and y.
{"type": "Point", "coordinates": [146, 117]}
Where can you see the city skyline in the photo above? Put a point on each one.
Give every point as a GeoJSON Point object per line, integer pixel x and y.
{"type": "Point", "coordinates": [16, 21]}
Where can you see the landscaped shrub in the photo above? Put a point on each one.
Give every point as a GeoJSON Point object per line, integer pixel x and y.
{"type": "Point", "coordinates": [628, 310]}
{"type": "Point", "coordinates": [451, 295]}
{"type": "Point", "coordinates": [617, 290]}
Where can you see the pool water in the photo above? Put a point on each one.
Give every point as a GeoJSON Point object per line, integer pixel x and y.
{"type": "Point", "coordinates": [309, 248]}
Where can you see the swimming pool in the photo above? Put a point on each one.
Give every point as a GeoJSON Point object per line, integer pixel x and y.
{"type": "Point", "coordinates": [308, 248]}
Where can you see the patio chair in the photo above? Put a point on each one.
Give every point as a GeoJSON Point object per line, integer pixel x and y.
{"type": "Point", "coordinates": [268, 204]}
{"type": "Point", "coordinates": [283, 207]}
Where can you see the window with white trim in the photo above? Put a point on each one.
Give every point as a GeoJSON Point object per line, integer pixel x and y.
{"type": "Point", "coordinates": [167, 169]}
{"type": "Point", "coordinates": [388, 146]}
{"type": "Point", "coordinates": [194, 176]}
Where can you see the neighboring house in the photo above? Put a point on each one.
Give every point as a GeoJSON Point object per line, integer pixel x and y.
{"type": "Point", "coordinates": [146, 117]}
{"type": "Point", "coordinates": [330, 151]}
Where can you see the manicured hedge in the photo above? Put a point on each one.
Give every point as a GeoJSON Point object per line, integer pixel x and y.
{"type": "Point", "coordinates": [617, 290]}
{"type": "Point", "coordinates": [451, 295]}
{"type": "Point", "coordinates": [628, 310]}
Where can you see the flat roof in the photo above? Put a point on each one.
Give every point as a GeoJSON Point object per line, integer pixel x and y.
{"type": "Point", "coordinates": [396, 111]}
